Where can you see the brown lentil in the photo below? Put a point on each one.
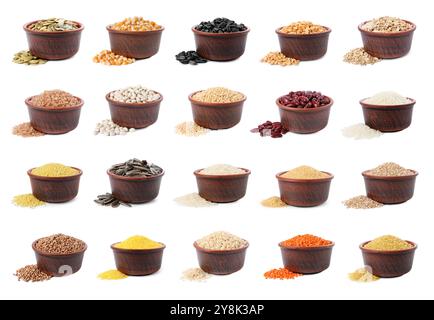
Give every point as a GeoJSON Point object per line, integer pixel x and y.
{"type": "Point", "coordinates": [303, 27]}
{"type": "Point", "coordinates": [60, 244]}
{"type": "Point", "coordinates": [360, 57]}
{"type": "Point", "coordinates": [31, 273]}
{"type": "Point", "coordinates": [26, 130]}
{"type": "Point", "coordinates": [387, 24]}
{"type": "Point", "coordinates": [390, 169]}
{"type": "Point", "coordinates": [218, 95]}
{"type": "Point", "coordinates": [362, 202]}
{"type": "Point", "coordinates": [55, 99]}
{"type": "Point", "coordinates": [112, 59]}
{"type": "Point", "coordinates": [278, 58]}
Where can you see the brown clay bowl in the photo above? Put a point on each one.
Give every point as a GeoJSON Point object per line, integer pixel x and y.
{"type": "Point", "coordinates": [220, 46]}
{"type": "Point", "coordinates": [59, 265]}
{"type": "Point", "coordinates": [304, 120]}
{"type": "Point", "coordinates": [134, 115]}
{"type": "Point", "coordinates": [54, 120]}
{"type": "Point", "coordinates": [138, 262]}
{"type": "Point", "coordinates": [222, 188]}
{"type": "Point", "coordinates": [306, 260]}
{"type": "Point", "coordinates": [389, 264]}
{"type": "Point", "coordinates": [304, 47]}
{"type": "Point", "coordinates": [55, 189]}
{"type": "Point", "coordinates": [304, 192]}
{"type": "Point", "coordinates": [221, 262]}
{"type": "Point", "coordinates": [53, 45]}
{"type": "Point", "coordinates": [135, 44]}
{"type": "Point", "coordinates": [135, 189]}
{"type": "Point", "coordinates": [390, 190]}
{"type": "Point", "coordinates": [388, 118]}
{"type": "Point", "coordinates": [387, 45]}
{"type": "Point", "coordinates": [216, 115]}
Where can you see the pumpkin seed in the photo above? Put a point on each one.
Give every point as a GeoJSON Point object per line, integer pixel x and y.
{"type": "Point", "coordinates": [25, 57]}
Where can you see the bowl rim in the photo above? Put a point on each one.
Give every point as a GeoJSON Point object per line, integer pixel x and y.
{"type": "Point", "coordinates": [71, 108]}
{"type": "Point", "coordinates": [388, 106]}
{"type": "Point", "coordinates": [211, 34]}
{"type": "Point", "coordinates": [109, 29]}
{"type": "Point", "coordinates": [396, 178]}
{"type": "Point", "coordinates": [329, 246]}
{"type": "Point", "coordinates": [229, 251]}
{"type": "Point", "coordinates": [386, 34]}
{"type": "Point", "coordinates": [388, 252]}
{"type": "Point", "coordinates": [34, 176]}
{"type": "Point", "coordinates": [216, 104]}
{"type": "Point", "coordinates": [327, 106]}
{"type": "Point", "coordinates": [57, 255]}
{"type": "Point", "coordinates": [246, 173]}
{"type": "Point", "coordinates": [308, 35]}
{"type": "Point", "coordinates": [280, 178]}
{"type": "Point", "coordinates": [111, 174]}
{"type": "Point", "coordinates": [138, 251]}
{"type": "Point", "coordinates": [126, 104]}
{"type": "Point", "coordinates": [27, 29]}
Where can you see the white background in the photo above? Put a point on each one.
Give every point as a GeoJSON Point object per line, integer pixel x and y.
{"type": "Point", "coordinates": [177, 226]}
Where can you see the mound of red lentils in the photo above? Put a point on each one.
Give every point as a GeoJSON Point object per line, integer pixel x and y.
{"type": "Point", "coordinates": [305, 241]}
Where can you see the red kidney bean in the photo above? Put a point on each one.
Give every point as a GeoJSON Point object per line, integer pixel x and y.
{"type": "Point", "coordinates": [304, 99]}
{"type": "Point", "coordinates": [270, 129]}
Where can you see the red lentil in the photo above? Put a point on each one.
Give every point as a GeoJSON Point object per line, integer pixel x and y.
{"type": "Point", "coordinates": [281, 274]}
{"type": "Point", "coordinates": [306, 240]}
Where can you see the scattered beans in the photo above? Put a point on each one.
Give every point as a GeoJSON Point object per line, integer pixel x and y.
{"type": "Point", "coordinates": [362, 202]}
{"type": "Point", "coordinates": [278, 58]}
{"type": "Point", "coordinates": [218, 95]}
{"type": "Point", "coordinates": [110, 58]}
{"type": "Point", "coordinates": [25, 57]}
{"type": "Point", "coordinates": [54, 25]}
{"type": "Point", "coordinates": [108, 199]}
{"type": "Point", "coordinates": [303, 27]}
{"type": "Point", "coordinates": [60, 244]}
{"type": "Point", "coordinates": [387, 24]}
{"type": "Point", "coordinates": [109, 128]}
{"type": "Point", "coordinates": [304, 99]}
{"type": "Point", "coordinates": [190, 57]}
{"type": "Point", "coordinates": [55, 99]}
{"type": "Point", "coordinates": [135, 24]}
{"type": "Point", "coordinates": [26, 130]}
{"type": "Point", "coordinates": [136, 168]}
{"type": "Point", "coordinates": [360, 57]}
{"type": "Point", "coordinates": [270, 129]}
{"type": "Point", "coordinates": [31, 273]}
{"type": "Point", "coordinates": [137, 94]}
{"type": "Point", "coordinates": [220, 25]}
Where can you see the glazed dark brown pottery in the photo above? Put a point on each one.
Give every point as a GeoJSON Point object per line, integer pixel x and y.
{"type": "Point", "coordinates": [134, 115]}
{"type": "Point", "coordinates": [220, 46]}
{"type": "Point", "coordinates": [59, 265]}
{"type": "Point", "coordinates": [54, 120]}
{"type": "Point", "coordinates": [306, 260]}
{"type": "Point", "coordinates": [135, 44]}
{"type": "Point", "coordinates": [55, 189]}
{"type": "Point", "coordinates": [390, 190]}
{"type": "Point", "coordinates": [304, 120]}
{"type": "Point", "coordinates": [388, 118]}
{"type": "Point", "coordinates": [387, 45]}
{"type": "Point", "coordinates": [304, 47]}
{"type": "Point", "coordinates": [138, 262]}
{"type": "Point", "coordinates": [304, 192]}
{"type": "Point", "coordinates": [57, 45]}
{"type": "Point", "coordinates": [222, 188]}
{"type": "Point", "coordinates": [221, 262]}
{"type": "Point", "coordinates": [216, 115]}
{"type": "Point", "coordinates": [135, 189]}
{"type": "Point", "coordinates": [389, 264]}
